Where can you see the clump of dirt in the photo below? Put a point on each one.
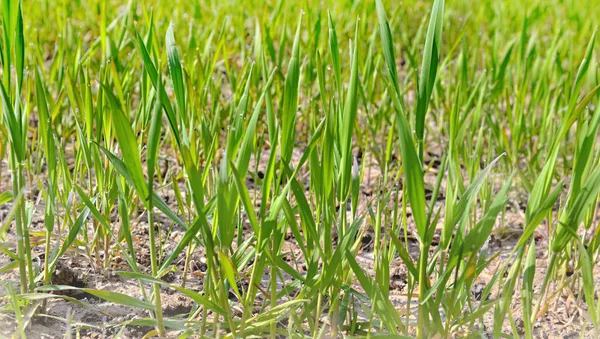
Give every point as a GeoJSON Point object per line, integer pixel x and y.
{"type": "Point", "coordinates": [177, 305]}
{"type": "Point", "coordinates": [65, 275]}
{"type": "Point", "coordinates": [399, 278]}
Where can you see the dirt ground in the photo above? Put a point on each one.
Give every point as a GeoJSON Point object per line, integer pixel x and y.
{"type": "Point", "coordinates": [565, 318]}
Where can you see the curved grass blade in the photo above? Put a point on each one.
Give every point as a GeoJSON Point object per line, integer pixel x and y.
{"type": "Point", "coordinates": [117, 298]}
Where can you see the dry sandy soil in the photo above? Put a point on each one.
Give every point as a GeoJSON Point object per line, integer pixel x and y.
{"type": "Point", "coordinates": [95, 318]}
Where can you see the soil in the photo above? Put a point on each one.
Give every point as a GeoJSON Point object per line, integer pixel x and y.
{"type": "Point", "coordinates": [95, 318]}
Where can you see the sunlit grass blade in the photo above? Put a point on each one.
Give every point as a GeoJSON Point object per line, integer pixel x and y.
{"type": "Point", "coordinates": [387, 44]}
{"type": "Point", "coordinates": [189, 293]}
{"type": "Point", "coordinates": [118, 298]}
{"type": "Point", "coordinates": [527, 289]}
{"type": "Point", "coordinates": [128, 144]}
{"type": "Point", "coordinates": [175, 69]}
{"type": "Point", "coordinates": [347, 125]}
{"type": "Point", "coordinates": [431, 55]}
{"type": "Point", "coordinates": [290, 99]}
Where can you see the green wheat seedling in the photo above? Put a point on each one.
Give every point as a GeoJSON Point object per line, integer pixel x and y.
{"type": "Point", "coordinates": [299, 169]}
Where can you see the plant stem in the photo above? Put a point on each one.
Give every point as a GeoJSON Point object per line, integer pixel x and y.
{"type": "Point", "coordinates": [25, 226]}
{"type": "Point", "coordinates": [153, 263]}
{"type": "Point", "coordinates": [19, 225]}
{"type": "Point", "coordinates": [422, 321]}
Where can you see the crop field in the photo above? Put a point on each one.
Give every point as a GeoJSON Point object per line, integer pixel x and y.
{"type": "Point", "coordinates": [305, 169]}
